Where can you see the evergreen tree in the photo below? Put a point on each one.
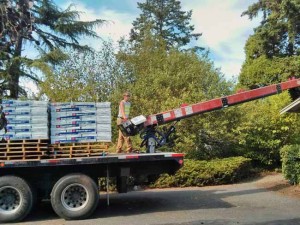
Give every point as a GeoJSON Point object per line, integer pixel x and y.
{"type": "Point", "coordinates": [273, 51]}
{"type": "Point", "coordinates": [279, 31]}
{"type": "Point", "coordinates": [164, 19]}
{"type": "Point", "coordinates": [46, 27]}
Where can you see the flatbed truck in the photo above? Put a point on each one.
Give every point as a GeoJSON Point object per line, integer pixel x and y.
{"type": "Point", "coordinates": [72, 183]}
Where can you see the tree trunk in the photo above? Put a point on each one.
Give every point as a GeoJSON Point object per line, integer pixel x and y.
{"type": "Point", "coordinates": [14, 70]}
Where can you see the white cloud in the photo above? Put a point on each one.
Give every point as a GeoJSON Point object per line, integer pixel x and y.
{"type": "Point", "coordinates": [118, 23]}
{"type": "Point", "coordinates": [223, 30]}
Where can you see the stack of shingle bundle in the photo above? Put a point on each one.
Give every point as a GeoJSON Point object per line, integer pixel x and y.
{"type": "Point", "coordinates": [26, 119]}
{"type": "Point", "coordinates": [80, 122]}
{"type": "Point", "coordinates": [103, 121]}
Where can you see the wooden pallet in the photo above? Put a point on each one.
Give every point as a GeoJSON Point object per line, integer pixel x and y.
{"type": "Point", "coordinates": [28, 141]}
{"type": "Point", "coordinates": [75, 150]}
{"type": "Point", "coordinates": [24, 157]}
{"type": "Point", "coordinates": [24, 149]}
{"type": "Point", "coordinates": [22, 153]}
{"type": "Point", "coordinates": [80, 144]}
{"type": "Point", "coordinates": [39, 149]}
{"type": "Point", "coordinates": [25, 142]}
{"type": "Point", "coordinates": [76, 155]}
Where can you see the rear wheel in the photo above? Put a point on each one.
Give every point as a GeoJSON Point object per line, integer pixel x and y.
{"type": "Point", "coordinates": [16, 199]}
{"type": "Point", "coordinates": [75, 196]}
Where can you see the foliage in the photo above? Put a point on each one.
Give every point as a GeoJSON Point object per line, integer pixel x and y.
{"type": "Point", "coordinates": [166, 20]}
{"type": "Point", "coordinates": [272, 56]}
{"type": "Point", "coordinates": [53, 29]}
{"type": "Point", "coordinates": [272, 52]}
{"type": "Point", "coordinates": [213, 135]}
{"type": "Point", "coordinates": [84, 76]}
{"type": "Point", "coordinates": [290, 155]}
{"type": "Point", "coordinates": [265, 71]}
{"type": "Point", "coordinates": [102, 182]}
{"type": "Point", "coordinates": [262, 131]}
{"type": "Point", "coordinates": [202, 173]}
{"type": "Point", "coordinates": [279, 31]}
{"type": "Point", "coordinates": [15, 20]}
{"type": "Point", "coordinates": [163, 80]}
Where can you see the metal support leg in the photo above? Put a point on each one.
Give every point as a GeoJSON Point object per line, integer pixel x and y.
{"type": "Point", "coordinates": [151, 145]}
{"type": "Point", "coordinates": [107, 185]}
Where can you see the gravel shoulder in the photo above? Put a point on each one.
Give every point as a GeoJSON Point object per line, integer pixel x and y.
{"type": "Point", "coordinates": [277, 183]}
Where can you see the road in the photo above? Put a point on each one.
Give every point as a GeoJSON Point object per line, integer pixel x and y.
{"type": "Point", "coordinates": [245, 203]}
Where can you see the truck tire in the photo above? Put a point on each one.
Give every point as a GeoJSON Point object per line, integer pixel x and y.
{"type": "Point", "coordinates": [74, 196]}
{"type": "Point", "coordinates": [16, 199]}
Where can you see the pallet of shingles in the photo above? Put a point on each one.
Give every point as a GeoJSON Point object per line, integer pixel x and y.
{"type": "Point", "coordinates": [76, 150]}
{"type": "Point", "coordinates": [24, 149]}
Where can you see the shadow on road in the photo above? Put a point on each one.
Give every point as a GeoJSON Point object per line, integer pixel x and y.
{"type": "Point", "coordinates": [281, 222]}
{"type": "Point", "coordinates": [143, 202]}
{"type": "Point", "coordinates": [224, 222]}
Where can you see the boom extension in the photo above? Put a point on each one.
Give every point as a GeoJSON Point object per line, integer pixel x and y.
{"type": "Point", "coordinates": [149, 123]}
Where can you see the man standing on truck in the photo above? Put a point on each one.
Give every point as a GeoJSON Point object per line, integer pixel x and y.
{"type": "Point", "coordinates": [123, 115]}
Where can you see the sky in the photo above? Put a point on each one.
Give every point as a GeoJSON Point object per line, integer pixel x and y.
{"type": "Point", "coordinates": [224, 31]}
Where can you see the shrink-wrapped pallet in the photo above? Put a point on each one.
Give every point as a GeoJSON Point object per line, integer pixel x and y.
{"type": "Point", "coordinates": [26, 119]}
{"type": "Point", "coordinates": [80, 121]}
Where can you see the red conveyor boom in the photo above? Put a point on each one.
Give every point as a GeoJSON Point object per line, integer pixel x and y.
{"type": "Point", "coordinates": [219, 103]}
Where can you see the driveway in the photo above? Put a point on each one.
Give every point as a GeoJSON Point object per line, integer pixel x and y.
{"type": "Point", "coordinates": [254, 202]}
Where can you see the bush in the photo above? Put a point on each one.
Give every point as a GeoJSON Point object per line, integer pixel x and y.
{"type": "Point", "coordinates": [290, 156]}
{"type": "Point", "coordinates": [201, 173]}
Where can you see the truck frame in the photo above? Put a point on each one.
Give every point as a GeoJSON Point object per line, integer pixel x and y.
{"type": "Point", "coordinates": [72, 183]}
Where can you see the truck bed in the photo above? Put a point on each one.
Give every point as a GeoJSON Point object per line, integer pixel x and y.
{"type": "Point", "coordinates": [143, 163]}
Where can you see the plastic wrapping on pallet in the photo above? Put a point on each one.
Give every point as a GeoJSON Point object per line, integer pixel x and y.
{"type": "Point", "coordinates": [104, 127]}
{"type": "Point", "coordinates": [103, 119]}
{"type": "Point", "coordinates": [73, 107]}
{"type": "Point", "coordinates": [13, 102]}
{"type": "Point", "coordinates": [105, 138]}
{"type": "Point", "coordinates": [91, 128]}
{"type": "Point", "coordinates": [43, 104]}
{"type": "Point", "coordinates": [73, 113]}
{"type": "Point", "coordinates": [79, 122]}
{"type": "Point", "coordinates": [103, 134]}
{"type": "Point", "coordinates": [71, 133]}
{"type": "Point", "coordinates": [18, 117]}
{"type": "Point", "coordinates": [104, 111]}
{"type": "Point", "coordinates": [10, 112]}
{"type": "Point", "coordinates": [73, 119]}
{"type": "Point", "coordinates": [26, 119]}
{"type": "Point", "coordinates": [64, 124]}
{"type": "Point", "coordinates": [70, 121]}
{"type": "Point", "coordinates": [73, 104]}
{"type": "Point", "coordinates": [31, 129]}
{"type": "Point", "coordinates": [18, 126]}
{"type": "Point", "coordinates": [72, 139]}
{"type": "Point", "coordinates": [103, 105]}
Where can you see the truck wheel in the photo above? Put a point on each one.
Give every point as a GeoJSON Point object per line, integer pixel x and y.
{"type": "Point", "coordinates": [75, 196]}
{"type": "Point", "coordinates": [16, 199]}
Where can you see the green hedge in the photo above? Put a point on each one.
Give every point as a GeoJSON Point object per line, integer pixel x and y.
{"type": "Point", "coordinates": [290, 156]}
{"type": "Point", "coordinates": [201, 173]}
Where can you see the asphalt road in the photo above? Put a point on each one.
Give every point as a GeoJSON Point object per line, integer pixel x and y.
{"type": "Point", "coordinates": [245, 203]}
